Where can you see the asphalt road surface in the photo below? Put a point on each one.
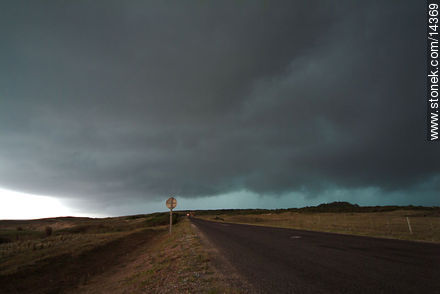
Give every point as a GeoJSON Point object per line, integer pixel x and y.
{"type": "Point", "coordinates": [279, 260]}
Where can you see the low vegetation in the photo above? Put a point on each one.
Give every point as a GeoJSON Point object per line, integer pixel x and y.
{"type": "Point", "coordinates": [339, 206]}
{"type": "Point", "coordinates": [176, 263]}
{"type": "Point", "coordinates": [135, 254]}
{"type": "Point", "coordinates": [31, 250]}
{"type": "Point", "coordinates": [160, 219]}
{"type": "Point", "coordinates": [408, 222]}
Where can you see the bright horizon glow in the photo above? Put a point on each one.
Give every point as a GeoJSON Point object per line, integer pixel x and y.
{"type": "Point", "coordinates": [18, 205]}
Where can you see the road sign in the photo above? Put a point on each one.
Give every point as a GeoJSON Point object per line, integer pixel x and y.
{"type": "Point", "coordinates": [171, 203]}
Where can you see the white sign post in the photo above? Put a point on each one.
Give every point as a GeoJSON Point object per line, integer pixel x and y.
{"type": "Point", "coordinates": [171, 203]}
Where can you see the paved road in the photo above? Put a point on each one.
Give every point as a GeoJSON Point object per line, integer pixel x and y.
{"type": "Point", "coordinates": [279, 260]}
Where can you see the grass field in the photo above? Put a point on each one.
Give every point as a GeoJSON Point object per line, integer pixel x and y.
{"type": "Point", "coordinates": [425, 225]}
{"type": "Point", "coordinates": [133, 254]}
{"type": "Point", "coordinates": [68, 250]}
{"type": "Point", "coordinates": [24, 243]}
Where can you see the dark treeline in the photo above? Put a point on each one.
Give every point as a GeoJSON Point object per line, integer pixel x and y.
{"type": "Point", "coordinates": [326, 207]}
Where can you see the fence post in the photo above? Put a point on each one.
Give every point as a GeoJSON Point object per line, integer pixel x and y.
{"type": "Point", "coordinates": [409, 225]}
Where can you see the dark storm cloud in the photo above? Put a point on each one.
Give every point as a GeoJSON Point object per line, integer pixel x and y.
{"type": "Point", "coordinates": [123, 100]}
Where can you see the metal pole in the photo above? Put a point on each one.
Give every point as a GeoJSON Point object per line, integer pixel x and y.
{"type": "Point", "coordinates": [171, 219]}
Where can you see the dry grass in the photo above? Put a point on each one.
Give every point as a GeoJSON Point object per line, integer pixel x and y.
{"type": "Point", "coordinates": [425, 226]}
{"type": "Point", "coordinates": [20, 254]}
{"type": "Point", "coordinates": [116, 255]}
{"type": "Point", "coordinates": [179, 263]}
{"type": "Point", "coordinates": [27, 244]}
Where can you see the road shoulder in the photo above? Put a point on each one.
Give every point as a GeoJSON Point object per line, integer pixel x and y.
{"type": "Point", "coordinates": [181, 263]}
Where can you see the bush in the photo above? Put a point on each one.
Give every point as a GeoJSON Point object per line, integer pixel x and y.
{"type": "Point", "coordinates": [48, 231]}
{"type": "Point", "coordinates": [136, 216]}
{"type": "Point", "coordinates": [160, 219]}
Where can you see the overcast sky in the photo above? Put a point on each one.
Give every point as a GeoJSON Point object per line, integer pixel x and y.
{"type": "Point", "coordinates": [113, 106]}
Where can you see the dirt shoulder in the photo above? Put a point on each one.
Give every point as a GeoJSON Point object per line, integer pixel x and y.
{"type": "Point", "coordinates": [142, 261]}
{"type": "Point", "coordinates": [180, 263]}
